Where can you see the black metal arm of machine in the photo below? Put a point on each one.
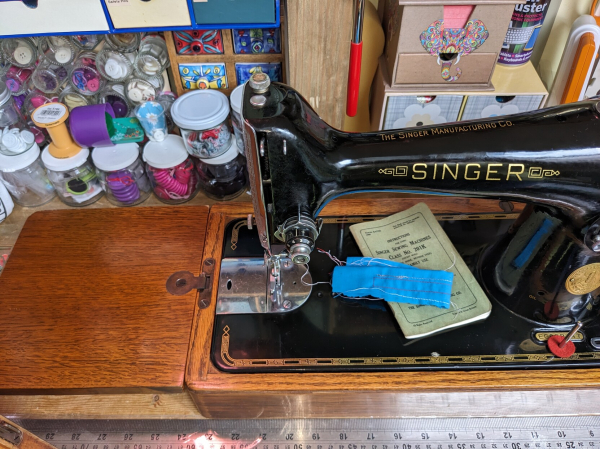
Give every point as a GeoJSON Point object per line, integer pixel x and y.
{"type": "Point", "coordinates": [549, 158]}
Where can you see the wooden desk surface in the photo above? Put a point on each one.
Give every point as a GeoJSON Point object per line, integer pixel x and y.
{"type": "Point", "coordinates": [409, 403]}
{"type": "Point", "coordinates": [84, 303]}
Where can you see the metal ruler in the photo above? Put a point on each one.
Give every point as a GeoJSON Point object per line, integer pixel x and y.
{"type": "Point", "coordinates": [573, 432]}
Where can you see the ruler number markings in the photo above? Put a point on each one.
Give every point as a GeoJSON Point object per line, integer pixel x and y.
{"type": "Point", "coordinates": [541, 438]}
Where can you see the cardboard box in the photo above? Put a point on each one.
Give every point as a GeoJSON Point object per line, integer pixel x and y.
{"type": "Point", "coordinates": [518, 89]}
{"type": "Point", "coordinates": [405, 20]}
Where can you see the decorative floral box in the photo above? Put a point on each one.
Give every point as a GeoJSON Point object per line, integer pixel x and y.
{"type": "Point", "coordinates": [244, 71]}
{"type": "Point", "coordinates": [198, 42]}
{"type": "Point", "coordinates": [257, 40]}
{"type": "Point", "coordinates": [203, 76]}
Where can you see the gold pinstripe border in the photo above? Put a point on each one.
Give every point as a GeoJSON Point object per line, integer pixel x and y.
{"type": "Point", "coordinates": [392, 361]}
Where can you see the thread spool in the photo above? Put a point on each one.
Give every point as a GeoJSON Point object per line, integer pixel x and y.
{"type": "Point", "coordinates": [89, 127]}
{"type": "Point", "coordinates": [52, 116]}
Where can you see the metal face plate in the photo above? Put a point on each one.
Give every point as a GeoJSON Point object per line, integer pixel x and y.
{"type": "Point", "coordinates": [243, 286]}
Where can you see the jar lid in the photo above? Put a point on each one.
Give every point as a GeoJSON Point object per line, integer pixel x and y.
{"type": "Point", "coordinates": [228, 156]}
{"type": "Point", "coordinates": [115, 157]}
{"type": "Point", "coordinates": [166, 154]}
{"type": "Point", "coordinates": [64, 164]}
{"type": "Point", "coordinates": [19, 161]}
{"type": "Point", "coordinates": [200, 110]}
{"type": "Point", "coordinates": [236, 97]}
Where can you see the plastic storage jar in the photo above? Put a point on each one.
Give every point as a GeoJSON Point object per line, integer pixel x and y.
{"type": "Point", "coordinates": [57, 50]}
{"type": "Point", "coordinates": [125, 42]}
{"type": "Point", "coordinates": [9, 114]}
{"type": "Point", "coordinates": [86, 41]}
{"type": "Point", "coordinates": [21, 52]}
{"type": "Point", "coordinates": [223, 177]}
{"type": "Point", "coordinates": [121, 172]}
{"type": "Point", "coordinates": [235, 99]}
{"type": "Point", "coordinates": [74, 178]}
{"type": "Point", "coordinates": [138, 90]}
{"type": "Point", "coordinates": [114, 94]}
{"type": "Point", "coordinates": [16, 80]}
{"type": "Point", "coordinates": [114, 65]}
{"type": "Point", "coordinates": [84, 76]}
{"type": "Point", "coordinates": [73, 99]}
{"type": "Point", "coordinates": [171, 170]}
{"type": "Point", "coordinates": [25, 178]}
{"type": "Point", "coordinates": [153, 57]}
{"type": "Point", "coordinates": [202, 117]}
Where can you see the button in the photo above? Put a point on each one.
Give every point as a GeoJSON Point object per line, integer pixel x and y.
{"type": "Point", "coordinates": [93, 85]}
{"type": "Point", "coordinates": [74, 101]}
{"type": "Point", "coordinates": [63, 55]}
{"type": "Point", "coordinates": [151, 67]}
{"type": "Point", "coordinates": [159, 135]}
{"type": "Point", "coordinates": [13, 85]}
{"type": "Point", "coordinates": [12, 143]}
{"type": "Point", "coordinates": [115, 69]}
{"type": "Point", "coordinates": [27, 137]}
{"type": "Point", "coordinates": [36, 102]}
{"type": "Point", "coordinates": [23, 55]}
{"type": "Point", "coordinates": [135, 94]}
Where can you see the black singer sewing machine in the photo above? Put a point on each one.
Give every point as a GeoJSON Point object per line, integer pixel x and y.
{"type": "Point", "coordinates": [541, 271]}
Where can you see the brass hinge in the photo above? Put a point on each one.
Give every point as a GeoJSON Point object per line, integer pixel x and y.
{"type": "Point", "coordinates": [182, 282]}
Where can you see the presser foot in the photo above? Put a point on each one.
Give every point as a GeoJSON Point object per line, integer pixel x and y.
{"type": "Point", "coordinates": [262, 285]}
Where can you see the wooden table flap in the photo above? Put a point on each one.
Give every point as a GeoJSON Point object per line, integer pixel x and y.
{"type": "Point", "coordinates": [83, 303]}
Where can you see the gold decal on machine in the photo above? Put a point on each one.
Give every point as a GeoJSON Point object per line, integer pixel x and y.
{"type": "Point", "coordinates": [444, 130]}
{"type": "Point", "coordinates": [484, 171]}
{"type": "Point", "coordinates": [584, 280]}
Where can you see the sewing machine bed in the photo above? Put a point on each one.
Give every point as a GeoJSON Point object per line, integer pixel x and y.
{"type": "Point", "coordinates": [333, 334]}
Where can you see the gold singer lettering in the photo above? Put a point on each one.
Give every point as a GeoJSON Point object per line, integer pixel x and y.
{"type": "Point", "coordinates": [446, 130]}
{"type": "Point", "coordinates": [483, 171]}
{"type": "Point", "coordinates": [421, 172]}
{"type": "Point", "coordinates": [490, 172]}
{"type": "Point", "coordinates": [475, 172]}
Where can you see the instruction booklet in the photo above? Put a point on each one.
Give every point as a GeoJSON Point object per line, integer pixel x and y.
{"type": "Point", "coordinates": [414, 237]}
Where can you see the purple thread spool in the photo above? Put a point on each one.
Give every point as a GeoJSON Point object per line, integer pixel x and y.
{"type": "Point", "coordinates": [88, 125]}
{"type": "Point", "coordinates": [123, 186]}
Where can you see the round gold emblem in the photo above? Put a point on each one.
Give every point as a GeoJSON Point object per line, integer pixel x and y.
{"type": "Point", "coordinates": [584, 280]}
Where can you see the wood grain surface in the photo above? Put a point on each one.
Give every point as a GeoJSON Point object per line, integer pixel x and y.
{"type": "Point", "coordinates": [28, 441]}
{"type": "Point", "coordinates": [84, 305]}
{"type": "Point", "coordinates": [319, 34]}
{"type": "Point", "coordinates": [225, 395]}
{"type": "Point", "coordinates": [100, 406]}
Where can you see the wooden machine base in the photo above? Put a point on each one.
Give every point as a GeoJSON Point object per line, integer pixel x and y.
{"type": "Point", "coordinates": [349, 394]}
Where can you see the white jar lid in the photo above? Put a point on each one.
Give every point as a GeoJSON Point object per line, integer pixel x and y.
{"type": "Point", "coordinates": [19, 161]}
{"type": "Point", "coordinates": [115, 157]}
{"type": "Point", "coordinates": [65, 164]}
{"type": "Point", "coordinates": [200, 110]}
{"type": "Point", "coordinates": [228, 156]}
{"type": "Point", "coordinates": [236, 97]}
{"type": "Point", "coordinates": [166, 154]}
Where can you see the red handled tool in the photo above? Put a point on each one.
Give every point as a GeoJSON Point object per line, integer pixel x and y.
{"type": "Point", "coordinates": [355, 59]}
